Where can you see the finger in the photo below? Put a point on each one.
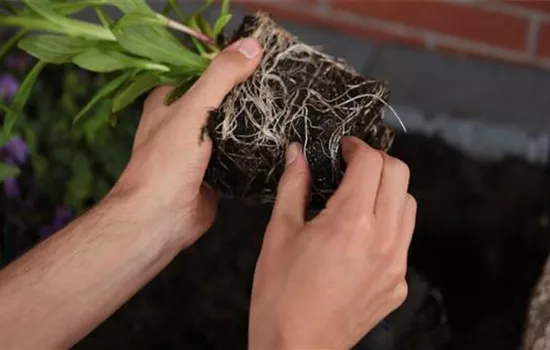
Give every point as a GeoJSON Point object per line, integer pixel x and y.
{"type": "Point", "coordinates": [293, 192]}
{"type": "Point", "coordinates": [392, 192]}
{"type": "Point", "coordinates": [232, 66]}
{"type": "Point", "coordinates": [361, 178]}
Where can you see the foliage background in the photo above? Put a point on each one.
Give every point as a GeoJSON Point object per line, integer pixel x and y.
{"type": "Point", "coordinates": [68, 167]}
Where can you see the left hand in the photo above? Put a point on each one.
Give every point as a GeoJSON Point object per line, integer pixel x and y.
{"type": "Point", "coordinates": [170, 156]}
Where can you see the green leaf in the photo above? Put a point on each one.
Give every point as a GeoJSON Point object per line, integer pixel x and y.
{"type": "Point", "coordinates": [71, 26]}
{"type": "Point", "coordinates": [134, 19]}
{"type": "Point", "coordinates": [6, 47]}
{"type": "Point", "coordinates": [225, 8]}
{"type": "Point", "coordinates": [180, 72]}
{"type": "Point", "coordinates": [108, 90]}
{"type": "Point", "coordinates": [140, 85]}
{"type": "Point", "coordinates": [221, 23]}
{"type": "Point", "coordinates": [93, 126]}
{"type": "Point", "coordinates": [127, 6]}
{"type": "Point", "coordinates": [153, 43]}
{"type": "Point", "coordinates": [8, 171]}
{"type": "Point", "coordinates": [96, 60]}
{"type": "Point", "coordinates": [69, 8]}
{"type": "Point", "coordinates": [204, 26]}
{"type": "Point", "coordinates": [55, 48]}
{"type": "Point", "coordinates": [104, 61]}
{"type": "Point", "coordinates": [22, 96]}
{"type": "Point", "coordinates": [30, 23]}
{"type": "Point", "coordinates": [205, 6]}
{"type": "Point", "coordinates": [180, 90]}
{"type": "Point", "coordinates": [193, 23]}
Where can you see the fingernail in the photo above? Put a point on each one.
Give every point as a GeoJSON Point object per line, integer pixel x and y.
{"type": "Point", "coordinates": [292, 153]}
{"type": "Point", "coordinates": [249, 48]}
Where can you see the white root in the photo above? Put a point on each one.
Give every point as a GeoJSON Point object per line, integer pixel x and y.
{"type": "Point", "coordinates": [272, 109]}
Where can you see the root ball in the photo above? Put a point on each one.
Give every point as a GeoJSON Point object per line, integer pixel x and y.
{"type": "Point", "coordinates": [298, 94]}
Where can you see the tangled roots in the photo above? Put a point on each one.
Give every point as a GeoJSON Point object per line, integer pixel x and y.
{"type": "Point", "coordinates": [298, 94]}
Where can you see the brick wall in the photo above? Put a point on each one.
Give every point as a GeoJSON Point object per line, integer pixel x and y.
{"type": "Point", "coordinates": [517, 31]}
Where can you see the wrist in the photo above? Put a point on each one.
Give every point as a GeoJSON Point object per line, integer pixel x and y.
{"type": "Point", "coordinates": [149, 216]}
{"type": "Point", "coordinates": [270, 338]}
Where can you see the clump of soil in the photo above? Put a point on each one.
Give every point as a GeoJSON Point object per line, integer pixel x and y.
{"type": "Point", "coordinates": [297, 94]}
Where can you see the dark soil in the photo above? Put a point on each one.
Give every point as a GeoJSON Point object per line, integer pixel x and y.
{"type": "Point", "coordinates": [481, 239]}
{"type": "Point", "coordinates": [307, 84]}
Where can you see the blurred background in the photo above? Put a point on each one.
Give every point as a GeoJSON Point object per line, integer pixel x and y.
{"type": "Point", "coordinates": [471, 82]}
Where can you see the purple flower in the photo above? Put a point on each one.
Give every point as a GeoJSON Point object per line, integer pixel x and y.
{"type": "Point", "coordinates": [46, 231]}
{"type": "Point", "coordinates": [8, 87]}
{"type": "Point", "coordinates": [16, 150]}
{"type": "Point", "coordinates": [62, 217]}
{"type": "Point", "coordinates": [11, 188]}
{"type": "Point", "coordinates": [83, 75]}
{"type": "Point", "coordinates": [19, 61]}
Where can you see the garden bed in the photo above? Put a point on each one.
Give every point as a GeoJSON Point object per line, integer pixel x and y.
{"type": "Point", "coordinates": [481, 240]}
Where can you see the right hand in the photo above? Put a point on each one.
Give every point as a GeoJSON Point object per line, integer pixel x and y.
{"type": "Point", "coordinates": [324, 284]}
{"type": "Point", "coordinates": [171, 152]}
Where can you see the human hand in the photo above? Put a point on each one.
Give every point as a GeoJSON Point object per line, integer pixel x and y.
{"type": "Point", "coordinates": [324, 284]}
{"type": "Point", "coordinates": [170, 154]}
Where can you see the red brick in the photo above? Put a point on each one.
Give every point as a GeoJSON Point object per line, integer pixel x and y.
{"type": "Point", "coordinates": [310, 17]}
{"type": "Point", "coordinates": [543, 48]}
{"type": "Point", "coordinates": [464, 21]}
{"type": "Point", "coordinates": [539, 5]}
{"type": "Point", "coordinates": [524, 61]}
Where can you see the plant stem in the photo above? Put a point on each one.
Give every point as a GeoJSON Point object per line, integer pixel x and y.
{"type": "Point", "coordinates": [185, 29]}
{"type": "Point", "coordinates": [4, 49]}
{"type": "Point", "coordinates": [103, 17]}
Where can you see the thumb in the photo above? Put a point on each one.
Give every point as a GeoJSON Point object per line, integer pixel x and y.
{"type": "Point", "coordinates": [293, 192]}
{"type": "Point", "coordinates": [230, 67]}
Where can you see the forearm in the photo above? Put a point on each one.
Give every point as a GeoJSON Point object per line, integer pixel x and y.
{"type": "Point", "coordinates": [66, 286]}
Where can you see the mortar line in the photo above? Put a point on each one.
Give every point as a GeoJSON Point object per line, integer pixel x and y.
{"type": "Point", "coordinates": [533, 35]}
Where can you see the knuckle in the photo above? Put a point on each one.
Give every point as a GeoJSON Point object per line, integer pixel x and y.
{"type": "Point", "coordinates": [372, 157]}
{"type": "Point", "coordinates": [293, 179]}
{"type": "Point", "coordinates": [400, 271]}
{"type": "Point", "coordinates": [388, 254]}
{"type": "Point", "coordinates": [358, 223]}
{"type": "Point", "coordinates": [413, 204]}
{"type": "Point", "coordinates": [400, 293]}
{"type": "Point", "coordinates": [398, 167]}
{"type": "Point", "coordinates": [365, 221]}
